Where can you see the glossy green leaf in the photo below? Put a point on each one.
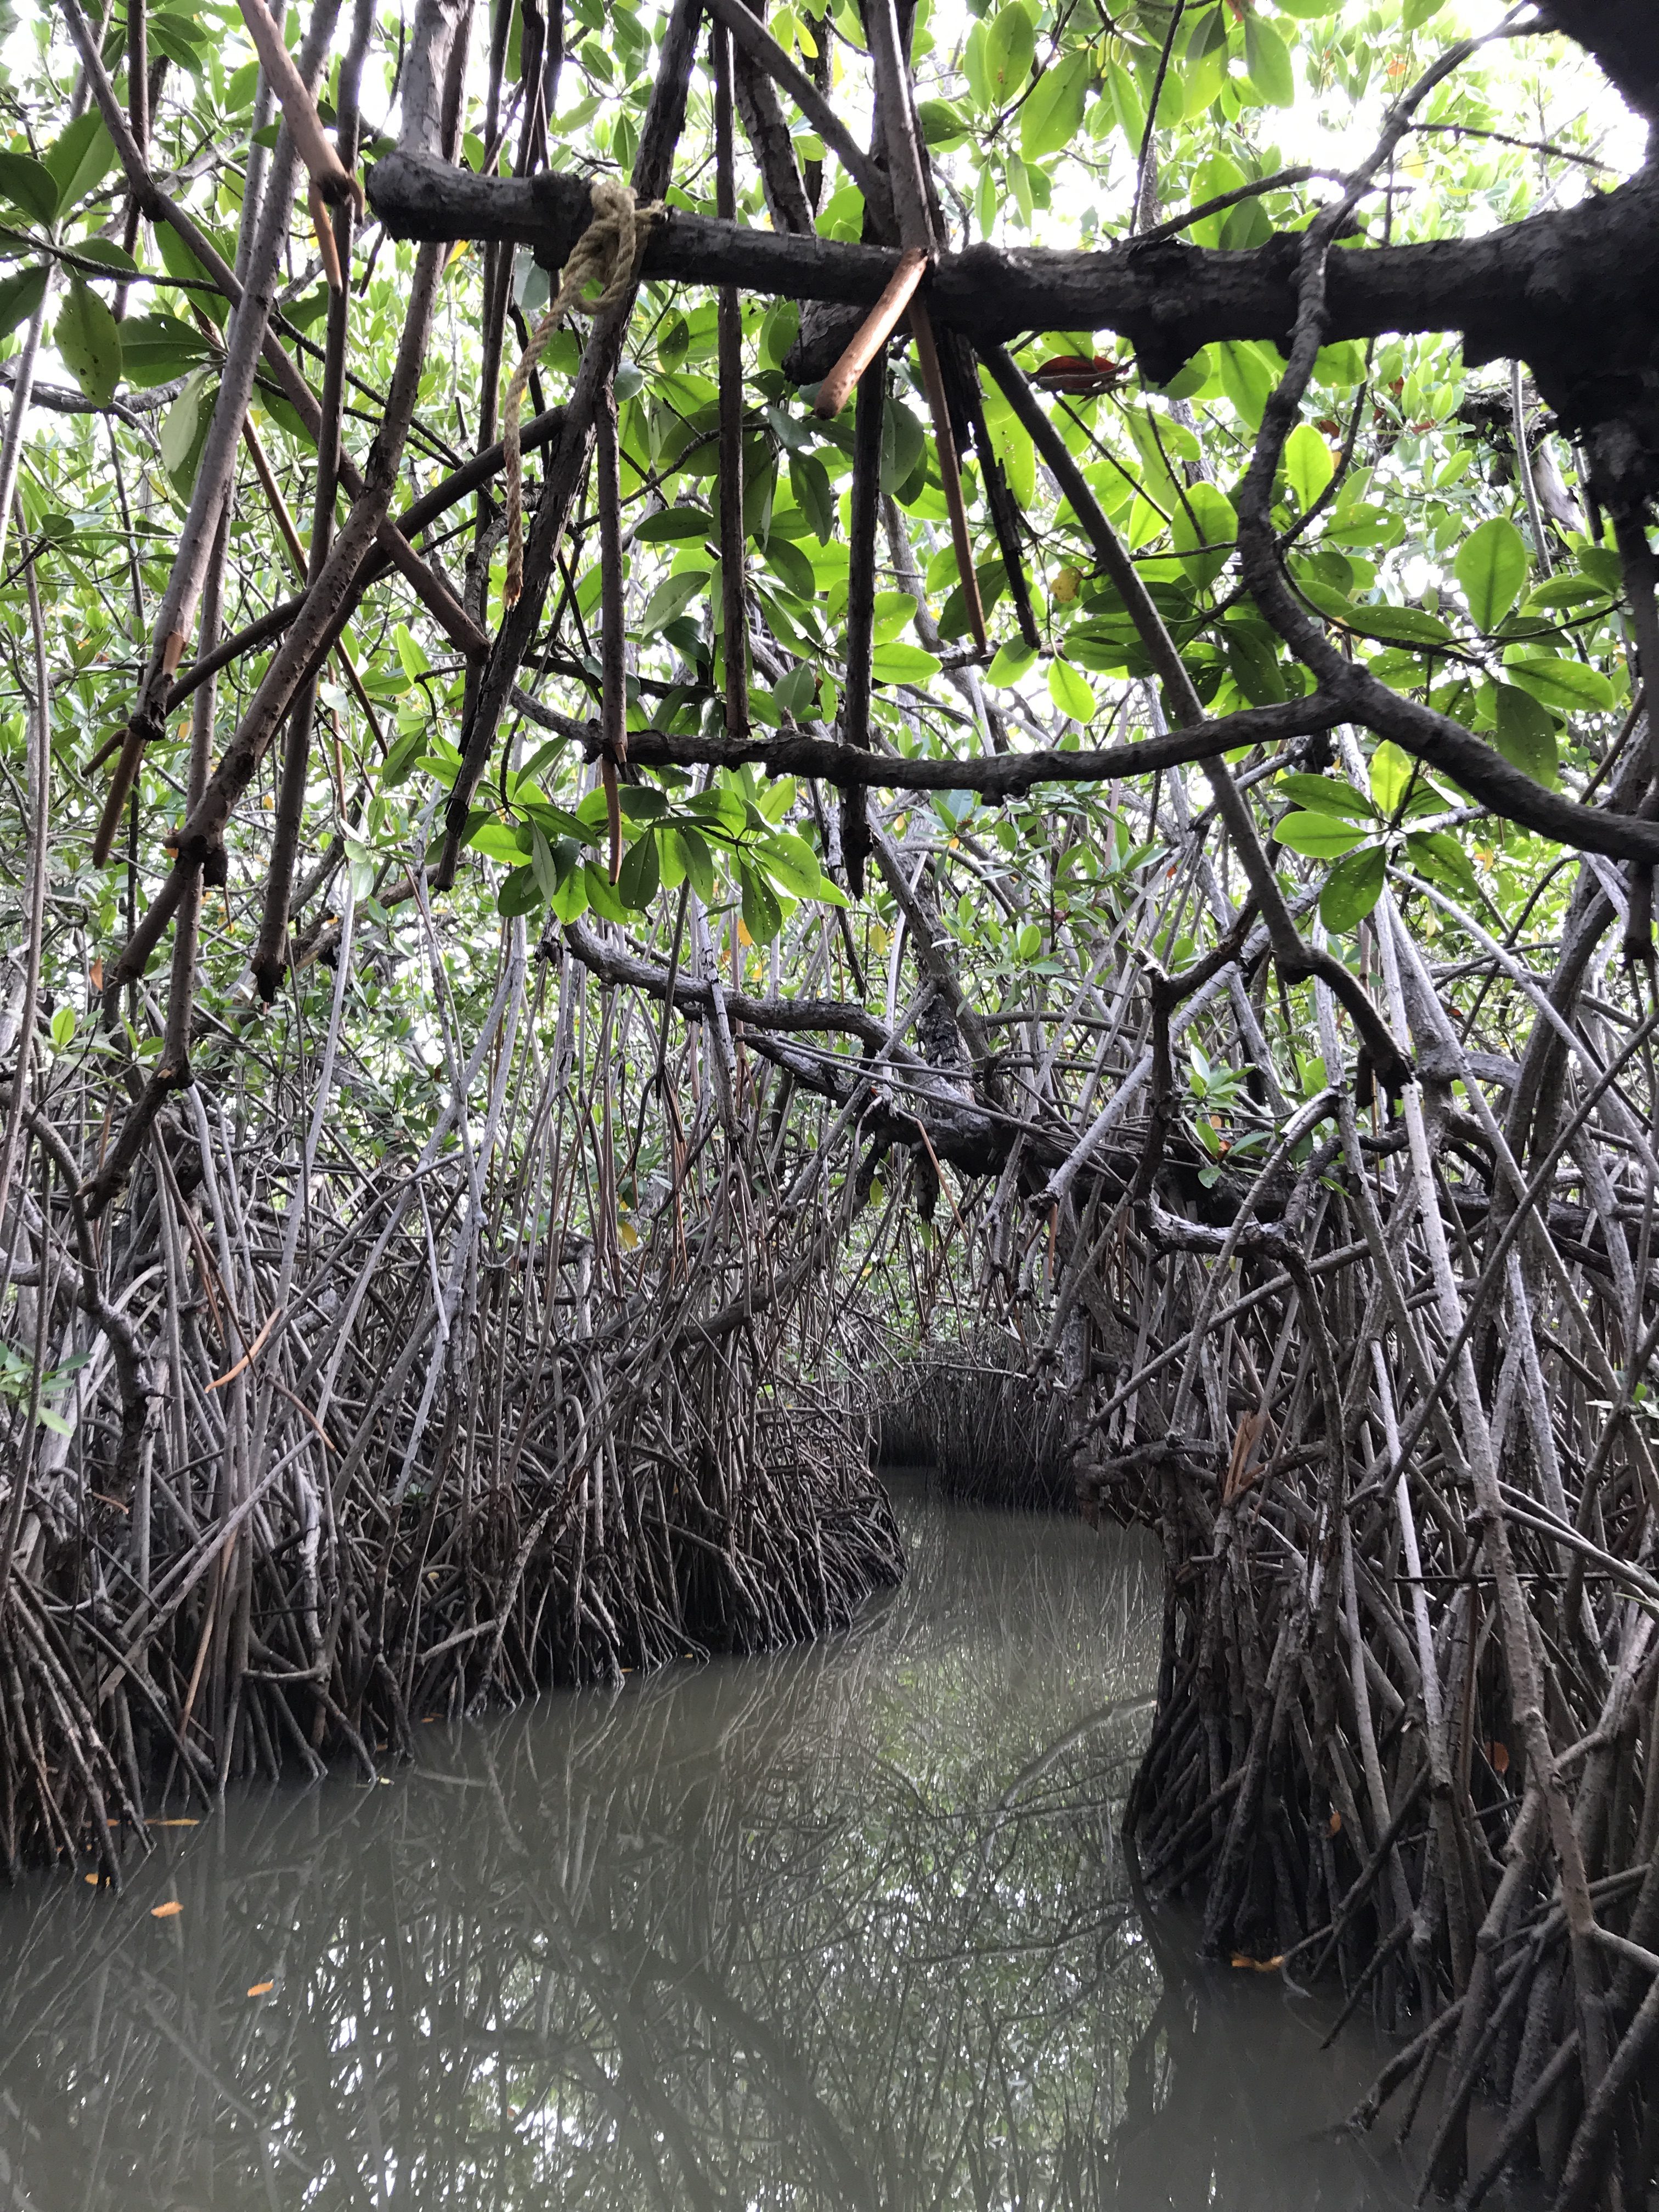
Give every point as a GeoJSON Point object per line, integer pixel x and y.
{"type": "Point", "coordinates": [1069, 692]}
{"type": "Point", "coordinates": [1491, 567]}
{"type": "Point", "coordinates": [1524, 732]}
{"type": "Point", "coordinates": [88, 338]}
{"type": "Point", "coordinates": [1318, 836]}
{"type": "Point", "coordinates": [1353, 889]}
{"type": "Point", "coordinates": [1049, 119]}
{"type": "Point", "coordinates": [1557, 681]}
{"type": "Point", "coordinates": [29, 185]}
{"type": "Point", "coordinates": [1310, 464]}
{"type": "Point", "coordinates": [1268, 58]}
{"type": "Point", "coordinates": [1009, 47]}
{"type": "Point", "coordinates": [1325, 794]}
{"type": "Point", "coordinates": [1391, 772]}
{"type": "Point", "coordinates": [21, 294]}
{"type": "Point", "coordinates": [80, 159]}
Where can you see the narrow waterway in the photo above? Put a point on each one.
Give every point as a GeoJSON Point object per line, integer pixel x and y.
{"type": "Point", "coordinates": [847, 1927]}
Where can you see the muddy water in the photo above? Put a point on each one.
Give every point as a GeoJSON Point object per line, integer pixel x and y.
{"type": "Point", "coordinates": [846, 1927]}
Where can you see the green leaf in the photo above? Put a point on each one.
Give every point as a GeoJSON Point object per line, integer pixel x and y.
{"type": "Point", "coordinates": [1439, 854]}
{"type": "Point", "coordinates": [569, 902]}
{"type": "Point", "coordinates": [671, 598]}
{"type": "Point", "coordinates": [79, 158]}
{"type": "Point", "coordinates": [1353, 889]}
{"type": "Point", "coordinates": [156, 348]}
{"type": "Point", "coordinates": [1318, 836]}
{"type": "Point", "coordinates": [543, 862]}
{"type": "Point", "coordinates": [63, 1028]}
{"type": "Point", "coordinates": [1324, 795]}
{"type": "Point", "coordinates": [1049, 119]}
{"type": "Point", "coordinates": [105, 253]}
{"type": "Point", "coordinates": [1414, 12]}
{"type": "Point", "coordinates": [498, 843]}
{"type": "Point", "coordinates": [519, 892]}
{"type": "Point", "coordinates": [1308, 465]}
{"type": "Point", "coordinates": [180, 425]}
{"type": "Point", "coordinates": [788, 562]}
{"type": "Point", "coordinates": [28, 184]}
{"type": "Point", "coordinates": [1204, 518]}
{"type": "Point", "coordinates": [1391, 772]}
{"type": "Point", "coordinates": [675, 523]}
{"type": "Point", "coordinates": [942, 124]}
{"type": "Point", "coordinates": [21, 294]}
{"type": "Point", "coordinates": [1009, 46]}
{"type": "Point", "coordinates": [1491, 567]}
{"type": "Point", "coordinates": [1268, 58]}
{"type": "Point", "coordinates": [697, 859]}
{"type": "Point", "coordinates": [1556, 680]}
{"type": "Point", "coordinates": [1248, 378]}
{"type": "Point", "coordinates": [1524, 732]}
{"type": "Point", "coordinates": [902, 664]}
{"type": "Point", "coordinates": [1069, 692]}
{"type": "Point", "coordinates": [809, 481]}
{"type": "Point", "coordinates": [763, 916]}
{"type": "Point", "coordinates": [88, 339]}
{"type": "Point", "coordinates": [411, 657]}
{"type": "Point", "coordinates": [1011, 662]}
{"type": "Point", "coordinates": [641, 872]}
{"type": "Point", "coordinates": [1413, 626]}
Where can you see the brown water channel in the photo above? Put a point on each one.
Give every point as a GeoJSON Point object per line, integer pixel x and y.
{"type": "Point", "coordinates": [844, 1928]}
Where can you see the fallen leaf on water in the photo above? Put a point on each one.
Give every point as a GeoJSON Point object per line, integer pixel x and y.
{"type": "Point", "coordinates": [1335, 1825]}
{"type": "Point", "coordinates": [165, 1912]}
{"type": "Point", "coordinates": [1259, 1966]}
{"type": "Point", "coordinates": [262, 1989]}
{"type": "Point", "coordinates": [173, 1824]}
{"type": "Point", "coordinates": [91, 1878]}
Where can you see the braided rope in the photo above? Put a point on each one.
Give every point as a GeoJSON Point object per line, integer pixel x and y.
{"type": "Point", "coordinates": [609, 250]}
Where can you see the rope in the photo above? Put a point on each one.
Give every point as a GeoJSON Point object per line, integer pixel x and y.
{"type": "Point", "coordinates": [609, 250]}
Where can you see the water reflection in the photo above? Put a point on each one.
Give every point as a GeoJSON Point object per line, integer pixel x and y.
{"type": "Point", "coordinates": [845, 1927]}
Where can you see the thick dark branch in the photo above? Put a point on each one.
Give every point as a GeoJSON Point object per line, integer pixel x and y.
{"type": "Point", "coordinates": [1511, 293]}
{"type": "Point", "coordinates": [995, 776]}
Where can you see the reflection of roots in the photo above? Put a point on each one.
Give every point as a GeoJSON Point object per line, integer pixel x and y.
{"type": "Point", "coordinates": [556, 1504]}
{"type": "Point", "coordinates": [728, 1937]}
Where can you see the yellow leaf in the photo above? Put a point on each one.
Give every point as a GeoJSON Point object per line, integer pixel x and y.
{"type": "Point", "coordinates": [1067, 584]}
{"type": "Point", "coordinates": [744, 938]}
{"type": "Point", "coordinates": [1259, 1966]}
{"type": "Point", "coordinates": [165, 1912]}
{"type": "Point", "coordinates": [628, 1234]}
{"type": "Point", "coordinates": [173, 1824]}
{"type": "Point", "coordinates": [262, 1989]}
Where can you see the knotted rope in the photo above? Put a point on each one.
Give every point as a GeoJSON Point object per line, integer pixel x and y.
{"type": "Point", "coordinates": [609, 249]}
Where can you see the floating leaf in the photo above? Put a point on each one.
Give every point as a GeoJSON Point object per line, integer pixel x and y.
{"type": "Point", "coordinates": [262, 1989]}
{"type": "Point", "coordinates": [166, 1911]}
